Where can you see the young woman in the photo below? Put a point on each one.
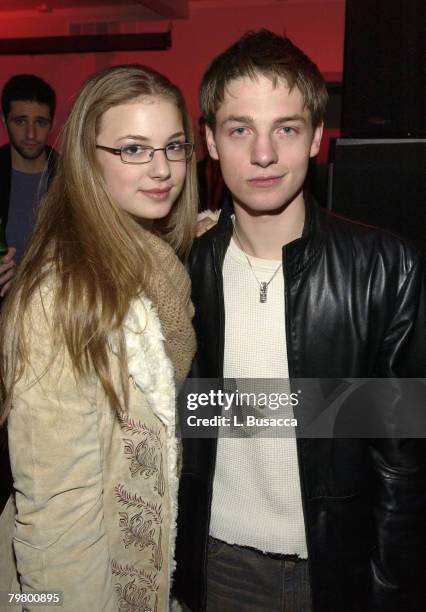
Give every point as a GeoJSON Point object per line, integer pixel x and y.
{"type": "Point", "coordinates": [94, 334]}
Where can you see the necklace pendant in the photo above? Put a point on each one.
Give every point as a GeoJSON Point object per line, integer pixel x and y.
{"type": "Point", "coordinates": [263, 292]}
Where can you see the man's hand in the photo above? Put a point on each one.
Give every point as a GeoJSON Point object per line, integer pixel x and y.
{"type": "Point", "coordinates": [7, 271]}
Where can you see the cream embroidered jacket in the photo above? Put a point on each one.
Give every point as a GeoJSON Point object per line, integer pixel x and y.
{"type": "Point", "coordinates": [96, 491]}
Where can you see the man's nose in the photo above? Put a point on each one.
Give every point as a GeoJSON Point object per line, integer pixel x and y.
{"type": "Point", "coordinates": [30, 131]}
{"type": "Point", "coordinates": [263, 151]}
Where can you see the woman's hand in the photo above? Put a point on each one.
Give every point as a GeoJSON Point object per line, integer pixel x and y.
{"type": "Point", "coordinates": [205, 221]}
{"type": "Point", "coordinates": [7, 271]}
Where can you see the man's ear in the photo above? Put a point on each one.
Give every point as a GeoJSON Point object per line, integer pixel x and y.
{"type": "Point", "coordinates": [211, 143]}
{"type": "Point", "coordinates": [3, 120]}
{"type": "Point", "coordinates": [316, 140]}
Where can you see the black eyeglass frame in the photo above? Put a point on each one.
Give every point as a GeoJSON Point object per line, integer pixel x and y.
{"type": "Point", "coordinates": [152, 150]}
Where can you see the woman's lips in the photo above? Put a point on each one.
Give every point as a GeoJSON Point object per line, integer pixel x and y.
{"type": "Point", "coordinates": [158, 195]}
{"type": "Point", "coordinates": [265, 181]}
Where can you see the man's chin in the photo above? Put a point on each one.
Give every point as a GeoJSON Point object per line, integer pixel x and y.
{"type": "Point", "coordinates": [259, 208]}
{"type": "Point", "coordinates": [30, 153]}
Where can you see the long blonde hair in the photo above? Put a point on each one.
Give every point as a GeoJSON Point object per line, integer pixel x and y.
{"type": "Point", "coordinates": [95, 250]}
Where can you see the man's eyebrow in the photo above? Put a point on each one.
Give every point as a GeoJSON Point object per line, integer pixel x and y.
{"type": "Point", "coordinates": [285, 119]}
{"type": "Point", "coordinates": [37, 117]}
{"type": "Point", "coordinates": [248, 119]}
{"type": "Point", "coordinates": [145, 139]}
{"type": "Point", "coordinates": [237, 119]}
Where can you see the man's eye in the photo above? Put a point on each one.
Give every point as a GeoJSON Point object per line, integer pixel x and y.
{"type": "Point", "coordinates": [42, 122]}
{"type": "Point", "coordinates": [135, 150]}
{"type": "Point", "coordinates": [240, 131]}
{"type": "Point", "coordinates": [19, 121]}
{"type": "Point", "coordinates": [288, 130]}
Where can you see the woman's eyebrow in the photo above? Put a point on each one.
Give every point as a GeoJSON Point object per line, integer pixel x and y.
{"type": "Point", "coordinates": [145, 139]}
{"type": "Point", "coordinates": [133, 137]}
{"type": "Point", "coordinates": [177, 134]}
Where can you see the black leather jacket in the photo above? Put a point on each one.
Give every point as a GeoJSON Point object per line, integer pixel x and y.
{"type": "Point", "coordinates": [351, 301]}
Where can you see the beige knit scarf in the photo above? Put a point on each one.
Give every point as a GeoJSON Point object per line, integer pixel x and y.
{"type": "Point", "coordinates": [171, 296]}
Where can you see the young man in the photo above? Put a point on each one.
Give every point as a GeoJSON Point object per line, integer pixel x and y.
{"type": "Point", "coordinates": [28, 107]}
{"type": "Point", "coordinates": [27, 165]}
{"type": "Point", "coordinates": [287, 290]}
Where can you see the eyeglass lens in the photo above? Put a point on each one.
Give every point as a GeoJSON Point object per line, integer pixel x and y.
{"type": "Point", "coordinates": [141, 154]}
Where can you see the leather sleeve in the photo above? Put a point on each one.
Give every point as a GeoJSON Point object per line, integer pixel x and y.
{"type": "Point", "coordinates": [413, 357]}
{"type": "Point", "coordinates": [404, 342]}
{"type": "Point", "coordinates": [399, 467]}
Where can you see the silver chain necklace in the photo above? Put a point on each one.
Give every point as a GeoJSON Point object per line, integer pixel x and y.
{"type": "Point", "coordinates": [263, 285]}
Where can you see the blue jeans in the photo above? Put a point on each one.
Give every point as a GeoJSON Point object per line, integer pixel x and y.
{"type": "Point", "coordinates": [241, 579]}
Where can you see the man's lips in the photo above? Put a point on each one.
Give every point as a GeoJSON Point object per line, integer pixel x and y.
{"type": "Point", "coordinates": [265, 181]}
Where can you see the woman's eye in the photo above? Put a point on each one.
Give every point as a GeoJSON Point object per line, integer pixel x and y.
{"type": "Point", "coordinates": [134, 150]}
{"type": "Point", "coordinates": [175, 146]}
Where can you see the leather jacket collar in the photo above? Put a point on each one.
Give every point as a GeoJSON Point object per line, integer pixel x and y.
{"type": "Point", "coordinates": [297, 255]}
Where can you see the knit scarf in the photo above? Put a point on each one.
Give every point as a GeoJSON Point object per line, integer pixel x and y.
{"type": "Point", "coordinates": [171, 296]}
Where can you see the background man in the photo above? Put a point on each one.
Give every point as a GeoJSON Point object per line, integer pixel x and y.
{"type": "Point", "coordinates": [285, 289]}
{"type": "Point", "coordinates": [26, 164]}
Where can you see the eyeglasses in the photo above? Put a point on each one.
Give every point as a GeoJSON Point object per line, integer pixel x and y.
{"type": "Point", "coordinates": [140, 154]}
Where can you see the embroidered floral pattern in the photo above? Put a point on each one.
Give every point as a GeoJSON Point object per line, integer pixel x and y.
{"type": "Point", "coordinates": [134, 426]}
{"type": "Point", "coordinates": [144, 577]}
{"type": "Point", "coordinates": [143, 572]}
{"type": "Point", "coordinates": [141, 529]}
{"type": "Point", "coordinates": [153, 511]}
{"type": "Point", "coordinates": [137, 531]}
{"type": "Point", "coordinates": [134, 598]}
{"type": "Point", "coordinates": [146, 458]}
{"type": "Point", "coordinates": [142, 459]}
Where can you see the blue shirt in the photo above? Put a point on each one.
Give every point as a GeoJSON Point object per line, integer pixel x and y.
{"type": "Point", "coordinates": [26, 191]}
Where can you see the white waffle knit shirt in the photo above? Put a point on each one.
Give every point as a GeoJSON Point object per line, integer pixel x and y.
{"type": "Point", "coordinates": [256, 488]}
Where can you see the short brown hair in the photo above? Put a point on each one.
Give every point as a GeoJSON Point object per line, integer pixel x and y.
{"type": "Point", "coordinates": [269, 54]}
